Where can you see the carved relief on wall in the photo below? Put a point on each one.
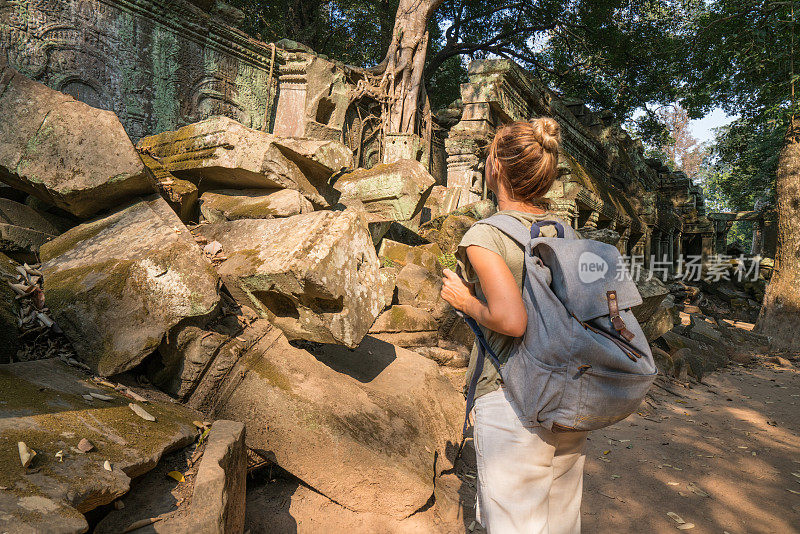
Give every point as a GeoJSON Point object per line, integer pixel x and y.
{"type": "Point", "coordinates": [157, 65]}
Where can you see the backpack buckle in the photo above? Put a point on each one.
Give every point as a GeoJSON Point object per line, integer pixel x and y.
{"type": "Point", "coordinates": [616, 321]}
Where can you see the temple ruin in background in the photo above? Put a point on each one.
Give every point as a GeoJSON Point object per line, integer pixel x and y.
{"type": "Point", "coordinates": [605, 182]}
{"type": "Point", "coordinates": [160, 65]}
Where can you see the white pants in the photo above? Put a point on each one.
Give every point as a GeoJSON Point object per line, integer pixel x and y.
{"type": "Point", "coordinates": [530, 480]}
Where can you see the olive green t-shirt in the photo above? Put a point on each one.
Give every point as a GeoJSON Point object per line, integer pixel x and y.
{"type": "Point", "coordinates": [491, 238]}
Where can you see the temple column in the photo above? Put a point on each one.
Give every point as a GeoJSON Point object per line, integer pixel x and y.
{"type": "Point", "coordinates": [591, 222]}
{"type": "Point", "coordinates": [671, 249]}
{"type": "Point", "coordinates": [707, 246]}
{"type": "Point", "coordinates": [464, 169]}
{"type": "Point", "coordinates": [290, 115]}
{"type": "Point", "coordinates": [622, 245]}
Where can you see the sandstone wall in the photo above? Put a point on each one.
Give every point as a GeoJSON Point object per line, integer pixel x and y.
{"type": "Point", "coordinates": [158, 64]}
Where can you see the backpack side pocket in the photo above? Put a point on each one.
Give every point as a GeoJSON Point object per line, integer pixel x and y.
{"type": "Point", "coordinates": [535, 386]}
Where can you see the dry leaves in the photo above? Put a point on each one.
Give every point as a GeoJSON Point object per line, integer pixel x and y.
{"type": "Point", "coordinates": [177, 475]}
{"type": "Point", "coordinates": [213, 251]}
{"type": "Point", "coordinates": [40, 335]}
{"type": "Point", "coordinates": [26, 454]}
{"type": "Point", "coordinates": [141, 412]}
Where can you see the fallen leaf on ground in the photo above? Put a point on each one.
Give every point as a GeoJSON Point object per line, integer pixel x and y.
{"type": "Point", "coordinates": [212, 248]}
{"type": "Point", "coordinates": [84, 445]}
{"type": "Point", "coordinates": [697, 490]}
{"type": "Point", "coordinates": [177, 475]}
{"type": "Point", "coordinates": [141, 523]}
{"type": "Point", "coordinates": [107, 465]}
{"type": "Point", "coordinates": [101, 396]}
{"type": "Point", "coordinates": [141, 412]}
{"type": "Point", "coordinates": [26, 454]}
{"type": "Point", "coordinates": [675, 517]}
{"type": "Point", "coordinates": [686, 526]}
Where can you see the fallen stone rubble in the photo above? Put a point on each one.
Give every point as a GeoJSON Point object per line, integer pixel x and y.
{"type": "Point", "coordinates": [117, 284]}
{"type": "Point", "coordinates": [211, 489]}
{"type": "Point", "coordinates": [315, 275]}
{"type": "Point", "coordinates": [251, 280]}
{"type": "Point", "coordinates": [51, 408]}
{"type": "Point", "coordinates": [63, 151]}
{"type": "Point", "coordinates": [219, 152]}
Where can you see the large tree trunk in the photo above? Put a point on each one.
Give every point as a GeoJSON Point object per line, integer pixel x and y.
{"type": "Point", "coordinates": [780, 316]}
{"type": "Point", "coordinates": [405, 62]}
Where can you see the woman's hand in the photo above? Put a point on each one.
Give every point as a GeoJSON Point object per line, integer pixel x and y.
{"type": "Point", "coordinates": [456, 291]}
{"type": "Point", "coordinates": [503, 312]}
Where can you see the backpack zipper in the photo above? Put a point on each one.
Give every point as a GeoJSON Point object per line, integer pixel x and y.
{"type": "Point", "coordinates": [631, 352]}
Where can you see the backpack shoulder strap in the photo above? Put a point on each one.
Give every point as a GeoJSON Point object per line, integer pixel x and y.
{"type": "Point", "coordinates": [510, 226]}
{"type": "Point", "coordinates": [516, 230]}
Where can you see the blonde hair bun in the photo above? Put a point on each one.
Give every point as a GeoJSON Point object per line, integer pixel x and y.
{"type": "Point", "coordinates": [524, 155]}
{"type": "Point", "coordinates": [548, 131]}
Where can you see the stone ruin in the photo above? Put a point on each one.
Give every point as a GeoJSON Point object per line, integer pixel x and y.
{"type": "Point", "coordinates": [197, 226]}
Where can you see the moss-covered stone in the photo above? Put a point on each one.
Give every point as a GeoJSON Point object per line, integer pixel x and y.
{"type": "Point", "coordinates": [390, 192]}
{"type": "Point", "coordinates": [222, 153]}
{"type": "Point", "coordinates": [400, 254]}
{"type": "Point", "coordinates": [181, 195]}
{"type": "Point", "coordinates": [315, 276]}
{"type": "Point", "coordinates": [232, 205]}
{"type": "Point", "coordinates": [448, 231]}
{"type": "Point", "coordinates": [404, 318]}
{"type": "Point", "coordinates": [420, 287]}
{"type": "Point", "coordinates": [43, 406]}
{"type": "Point", "coordinates": [364, 427]}
{"type": "Point", "coordinates": [72, 155]}
{"type": "Point", "coordinates": [118, 284]}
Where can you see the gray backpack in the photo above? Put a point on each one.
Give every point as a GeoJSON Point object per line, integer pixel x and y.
{"type": "Point", "coordinates": [583, 362]}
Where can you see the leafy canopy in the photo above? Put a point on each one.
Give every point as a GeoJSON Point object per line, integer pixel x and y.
{"type": "Point", "coordinates": [614, 54]}
{"type": "Point", "coordinates": [741, 60]}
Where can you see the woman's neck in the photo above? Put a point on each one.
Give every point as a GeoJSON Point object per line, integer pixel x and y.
{"type": "Point", "coordinates": [517, 205]}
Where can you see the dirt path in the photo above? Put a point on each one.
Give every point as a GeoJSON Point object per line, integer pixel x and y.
{"type": "Point", "coordinates": [721, 455]}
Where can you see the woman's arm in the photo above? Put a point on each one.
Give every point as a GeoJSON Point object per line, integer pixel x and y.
{"type": "Point", "coordinates": [503, 311]}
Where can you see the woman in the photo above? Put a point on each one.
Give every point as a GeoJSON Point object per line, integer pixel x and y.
{"type": "Point", "coordinates": [530, 479]}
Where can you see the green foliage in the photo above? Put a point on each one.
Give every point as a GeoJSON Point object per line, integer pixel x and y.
{"type": "Point", "coordinates": [742, 233]}
{"type": "Point", "coordinates": [444, 86]}
{"type": "Point", "coordinates": [740, 60]}
{"type": "Point", "coordinates": [743, 164]}
{"type": "Point", "coordinates": [614, 54]}
{"type": "Point", "coordinates": [448, 260]}
{"type": "Point", "coordinates": [356, 32]}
